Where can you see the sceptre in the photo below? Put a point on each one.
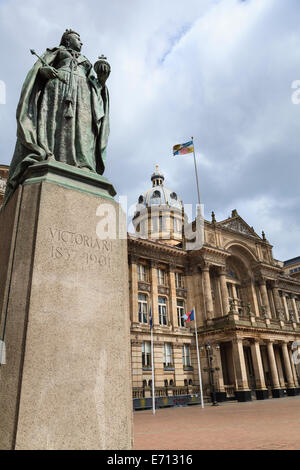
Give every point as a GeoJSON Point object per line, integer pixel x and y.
{"type": "Point", "coordinates": [47, 65]}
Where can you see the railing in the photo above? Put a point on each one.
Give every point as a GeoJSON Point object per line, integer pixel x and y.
{"type": "Point", "coordinates": [140, 392]}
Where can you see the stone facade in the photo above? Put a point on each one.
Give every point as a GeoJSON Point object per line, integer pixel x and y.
{"type": "Point", "coordinates": [247, 308]}
{"type": "Point", "coordinates": [247, 311]}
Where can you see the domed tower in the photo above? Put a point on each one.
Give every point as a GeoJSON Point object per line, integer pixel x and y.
{"type": "Point", "coordinates": [159, 213]}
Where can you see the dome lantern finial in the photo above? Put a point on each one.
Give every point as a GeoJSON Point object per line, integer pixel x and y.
{"type": "Point", "coordinates": [157, 177]}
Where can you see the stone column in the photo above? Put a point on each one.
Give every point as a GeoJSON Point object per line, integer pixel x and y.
{"type": "Point", "coordinates": [295, 309]}
{"type": "Point", "coordinates": [134, 308]}
{"type": "Point", "coordinates": [154, 292]}
{"type": "Point", "coordinates": [207, 293]}
{"type": "Point", "coordinates": [264, 297]}
{"type": "Point", "coordinates": [287, 366]}
{"type": "Point", "coordinates": [277, 301]}
{"type": "Point", "coordinates": [261, 390]}
{"type": "Point", "coordinates": [285, 305]}
{"type": "Point", "coordinates": [224, 291]}
{"type": "Point", "coordinates": [243, 393]}
{"type": "Point", "coordinates": [254, 298]}
{"type": "Point", "coordinates": [293, 368]}
{"type": "Point", "coordinates": [273, 366]}
{"type": "Point", "coordinates": [173, 297]}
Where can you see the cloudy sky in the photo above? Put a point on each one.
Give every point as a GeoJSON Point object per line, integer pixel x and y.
{"type": "Point", "coordinates": [218, 70]}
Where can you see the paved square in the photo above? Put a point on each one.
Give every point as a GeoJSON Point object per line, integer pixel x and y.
{"type": "Point", "coordinates": [262, 425]}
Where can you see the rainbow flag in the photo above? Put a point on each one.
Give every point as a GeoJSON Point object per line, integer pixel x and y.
{"type": "Point", "coordinates": [182, 149]}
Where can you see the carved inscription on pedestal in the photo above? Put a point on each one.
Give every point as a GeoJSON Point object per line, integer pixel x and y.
{"type": "Point", "coordinates": [79, 248]}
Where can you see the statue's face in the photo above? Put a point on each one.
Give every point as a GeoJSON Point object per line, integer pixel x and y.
{"type": "Point", "coordinates": [75, 42]}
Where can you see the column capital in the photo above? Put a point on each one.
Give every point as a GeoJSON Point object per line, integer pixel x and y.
{"type": "Point", "coordinates": [134, 259]}
{"type": "Point", "coordinates": [171, 267]}
{"type": "Point", "coordinates": [261, 281]}
{"type": "Point", "coordinates": [154, 263]}
{"type": "Point", "coordinates": [205, 266]}
{"type": "Point", "coordinates": [222, 270]}
{"type": "Point", "coordinates": [237, 340]}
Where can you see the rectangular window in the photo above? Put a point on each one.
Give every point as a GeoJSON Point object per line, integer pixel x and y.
{"type": "Point", "coordinates": [142, 272]}
{"type": "Point", "coordinates": [146, 354]}
{"type": "Point", "coordinates": [179, 280]}
{"type": "Point", "coordinates": [230, 291]}
{"type": "Point", "coordinates": [180, 312]}
{"type": "Point", "coordinates": [186, 358]}
{"type": "Point", "coordinates": [177, 225]}
{"type": "Point", "coordinates": [162, 310]}
{"type": "Point", "coordinates": [167, 355]}
{"type": "Point", "coordinates": [161, 277]}
{"type": "Point", "coordinates": [143, 308]}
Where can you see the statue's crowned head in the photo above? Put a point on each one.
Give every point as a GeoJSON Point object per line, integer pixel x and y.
{"type": "Point", "coordinates": [71, 39]}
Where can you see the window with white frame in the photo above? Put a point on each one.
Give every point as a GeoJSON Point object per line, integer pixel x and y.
{"type": "Point", "coordinates": [162, 310]}
{"type": "Point", "coordinates": [146, 354]}
{"type": "Point", "coordinates": [143, 308]}
{"type": "Point", "coordinates": [161, 277]}
{"type": "Point", "coordinates": [179, 280]}
{"type": "Point", "coordinates": [167, 355]}
{"type": "Point", "coordinates": [186, 357]}
{"type": "Point", "coordinates": [142, 272]}
{"type": "Point", "coordinates": [180, 312]}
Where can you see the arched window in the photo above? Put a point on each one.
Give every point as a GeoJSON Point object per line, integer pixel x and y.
{"type": "Point", "coordinates": [155, 198]}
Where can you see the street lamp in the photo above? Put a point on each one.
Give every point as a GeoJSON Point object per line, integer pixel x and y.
{"type": "Point", "coordinates": [211, 371]}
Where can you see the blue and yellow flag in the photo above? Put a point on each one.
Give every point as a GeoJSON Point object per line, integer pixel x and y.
{"type": "Point", "coordinates": [182, 149]}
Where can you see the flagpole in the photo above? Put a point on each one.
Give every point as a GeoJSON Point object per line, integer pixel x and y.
{"type": "Point", "coordinates": [198, 359]}
{"type": "Point", "coordinates": [152, 361]}
{"type": "Point", "coordinates": [196, 173]}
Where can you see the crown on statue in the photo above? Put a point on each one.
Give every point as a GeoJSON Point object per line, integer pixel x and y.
{"type": "Point", "coordinates": [66, 34]}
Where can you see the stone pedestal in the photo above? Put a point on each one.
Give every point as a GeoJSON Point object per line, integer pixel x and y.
{"type": "Point", "coordinates": [262, 394]}
{"type": "Point", "coordinates": [66, 383]}
{"type": "Point", "coordinates": [243, 395]}
{"type": "Point", "coordinates": [278, 393]}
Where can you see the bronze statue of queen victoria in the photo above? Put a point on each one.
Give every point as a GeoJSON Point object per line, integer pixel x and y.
{"type": "Point", "coordinates": [63, 112]}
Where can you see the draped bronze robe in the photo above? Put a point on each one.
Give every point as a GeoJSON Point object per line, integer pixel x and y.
{"type": "Point", "coordinates": [68, 121]}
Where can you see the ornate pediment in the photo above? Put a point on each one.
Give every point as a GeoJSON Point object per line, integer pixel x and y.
{"type": "Point", "coordinates": [239, 225]}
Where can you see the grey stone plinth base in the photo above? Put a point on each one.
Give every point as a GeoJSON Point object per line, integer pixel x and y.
{"type": "Point", "coordinates": [64, 308]}
{"type": "Point", "coordinates": [278, 393]}
{"type": "Point", "coordinates": [262, 394]}
{"type": "Point", "coordinates": [243, 395]}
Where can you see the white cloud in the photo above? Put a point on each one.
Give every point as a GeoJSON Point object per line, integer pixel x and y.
{"type": "Point", "coordinates": [218, 70]}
